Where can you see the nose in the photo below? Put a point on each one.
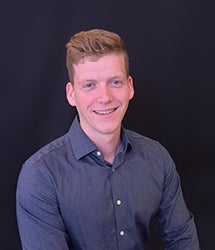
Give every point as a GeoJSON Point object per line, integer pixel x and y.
{"type": "Point", "coordinates": [104, 94]}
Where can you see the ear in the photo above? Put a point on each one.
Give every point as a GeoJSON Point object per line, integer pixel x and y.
{"type": "Point", "coordinates": [131, 87]}
{"type": "Point", "coordinates": [70, 93]}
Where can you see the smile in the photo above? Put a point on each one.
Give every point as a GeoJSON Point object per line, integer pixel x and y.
{"type": "Point", "coordinates": [105, 112]}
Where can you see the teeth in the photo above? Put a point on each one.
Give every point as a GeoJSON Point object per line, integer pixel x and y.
{"type": "Point", "coordinates": [105, 112]}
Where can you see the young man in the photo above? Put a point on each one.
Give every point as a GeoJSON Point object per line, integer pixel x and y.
{"type": "Point", "coordinates": [99, 186]}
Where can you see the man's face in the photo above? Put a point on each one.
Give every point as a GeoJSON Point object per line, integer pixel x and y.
{"type": "Point", "coordinates": [101, 92]}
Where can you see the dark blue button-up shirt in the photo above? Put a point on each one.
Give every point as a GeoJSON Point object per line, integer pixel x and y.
{"type": "Point", "coordinates": [68, 197]}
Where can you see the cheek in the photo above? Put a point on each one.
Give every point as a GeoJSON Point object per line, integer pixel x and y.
{"type": "Point", "coordinates": [83, 101]}
{"type": "Point", "coordinates": [125, 97]}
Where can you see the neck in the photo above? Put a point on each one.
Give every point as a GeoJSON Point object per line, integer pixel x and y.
{"type": "Point", "coordinates": [108, 145]}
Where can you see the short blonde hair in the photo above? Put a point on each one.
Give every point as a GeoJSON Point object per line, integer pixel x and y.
{"type": "Point", "coordinates": [94, 43]}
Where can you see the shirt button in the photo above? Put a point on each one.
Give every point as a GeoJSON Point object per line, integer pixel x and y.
{"type": "Point", "coordinates": [98, 153]}
{"type": "Point", "coordinates": [113, 170]}
{"type": "Point", "coordinates": [118, 202]}
{"type": "Point", "coordinates": [121, 233]}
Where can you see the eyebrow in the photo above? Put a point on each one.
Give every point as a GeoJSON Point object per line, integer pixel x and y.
{"type": "Point", "coordinates": [94, 80]}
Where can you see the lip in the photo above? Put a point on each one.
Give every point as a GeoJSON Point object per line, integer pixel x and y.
{"type": "Point", "coordinates": [105, 111]}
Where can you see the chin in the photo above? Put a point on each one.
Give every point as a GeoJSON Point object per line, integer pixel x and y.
{"type": "Point", "coordinates": [109, 130]}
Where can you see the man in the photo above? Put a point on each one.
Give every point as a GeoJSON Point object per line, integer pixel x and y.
{"type": "Point", "coordinates": [99, 186]}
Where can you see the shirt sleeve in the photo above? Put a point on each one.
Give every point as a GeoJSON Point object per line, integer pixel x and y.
{"type": "Point", "coordinates": [38, 214]}
{"type": "Point", "coordinates": [178, 229]}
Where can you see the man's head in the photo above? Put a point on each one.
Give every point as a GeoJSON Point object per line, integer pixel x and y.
{"type": "Point", "coordinates": [100, 87]}
{"type": "Point", "coordinates": [93, 44]}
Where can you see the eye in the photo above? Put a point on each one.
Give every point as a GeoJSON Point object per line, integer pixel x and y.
{"type": "Point", "coordinates": [88, 86]}
{"type": "Point", "coordinates": [116, 83]}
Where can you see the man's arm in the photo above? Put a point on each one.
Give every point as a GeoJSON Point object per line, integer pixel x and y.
{"type": "Point", "coordinates": [38, 215]}
{"type": "Point", "coordinates": [178, 229]}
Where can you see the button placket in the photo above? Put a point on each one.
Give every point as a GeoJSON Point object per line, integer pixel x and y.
{"type": "Point", "coordinates": [119, 211]}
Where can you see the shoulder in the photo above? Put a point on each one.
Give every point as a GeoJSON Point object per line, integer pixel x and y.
{"type": "Point", "coordinates": [48, 160]}
{"type": "Point", "coordinates": [51, 150]}
{"type": "Point", "coordinates": [45, 165]}
{"type": "Point", "coordinates": [149, 148]}
{"type": "Point", "coordinates": [139, 140]}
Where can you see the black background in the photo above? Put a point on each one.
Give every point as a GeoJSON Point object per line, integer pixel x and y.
{"type": "Point", "coordinates": [171, 48]}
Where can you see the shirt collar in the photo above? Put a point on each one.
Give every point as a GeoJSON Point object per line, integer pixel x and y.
{"type": "Point", "coordinates": [82, 145]}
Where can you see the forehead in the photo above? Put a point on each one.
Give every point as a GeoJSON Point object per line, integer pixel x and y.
{"type": "Point", "coordinates": [95, 58]}
{"type": "Point", "coordinates": [109, 63]}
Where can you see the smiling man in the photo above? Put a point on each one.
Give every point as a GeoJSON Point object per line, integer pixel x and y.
{"type": "Point", "coordinates": [98, 186]}
{"type": "Point", "coordinates": [101, 90]}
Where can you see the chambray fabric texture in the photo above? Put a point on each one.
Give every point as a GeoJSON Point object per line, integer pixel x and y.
{"type": "Point", "coordinates": [68, 197]}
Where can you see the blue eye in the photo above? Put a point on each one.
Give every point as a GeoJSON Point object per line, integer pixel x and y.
{"type": "Point", "coordinates": [116, 83]}
{"type": "Point", "coordinates": [88, 86]}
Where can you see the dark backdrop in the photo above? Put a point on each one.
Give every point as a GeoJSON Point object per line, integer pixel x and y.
{"type": "Point", "coordinates": [171, 47]}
